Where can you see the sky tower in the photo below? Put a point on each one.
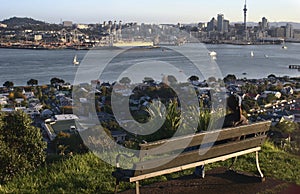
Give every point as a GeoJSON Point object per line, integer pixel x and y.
{"type": "Point", "coordinates": [245, 15]}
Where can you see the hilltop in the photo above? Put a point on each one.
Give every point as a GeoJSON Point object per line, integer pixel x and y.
{"type": "Point", "coordinates": [17, 21]}
{"type": "Point", "coordinates": [18, 24]}
{"type": "Point", "coordinates": [88, 174]}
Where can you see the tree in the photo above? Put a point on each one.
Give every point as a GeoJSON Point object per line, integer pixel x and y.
{"type": "Point", "coordinates": [56, 80]}
{"type": "Point", "coordinates": [148, 80]}
{"type": "Point", "coordinates": [250, 88]}
{"type": "Point", "coordinates": [211, 79]}
{"type": "Point", "coordinates": [230, 78]}
{"type": "Point", "coordinates": [69, 143]}
{"type": "Point", "coordinates": [287, 127]}
{"type": "Point", "coordinates": [32, 82]}
{"type": "Point", "coordinates": [8, 84]}
{"type": "Point", "coordinates": [193, 78]}
{"type": "Point", "coordinates": [270, 98]}
{"type": "Point", "coordinates": [21, 145]}
{"type": "Point", "coordinates": [125, 80]}
{"type": "Point", "coordinates": [271, 76]}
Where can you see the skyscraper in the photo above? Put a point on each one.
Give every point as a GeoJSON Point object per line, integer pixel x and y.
{"type": "Point", "coordinates": [220, 26]}
{"type": "Point", "coordinates": [245, 14]}
{"type": "Point", "coordinates": [289, 31]}
{"type": "Point", "coordinates": [226, 25]}
{"type": "Point", "coordinates": [264, 24]}
{"type": "Point", "coordinates": [211, 25]}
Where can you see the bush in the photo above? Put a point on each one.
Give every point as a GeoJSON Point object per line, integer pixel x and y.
{"type": "Point", "coordinates": [21, 145]}
{"type": "Point", "coordinates": [69, 143]}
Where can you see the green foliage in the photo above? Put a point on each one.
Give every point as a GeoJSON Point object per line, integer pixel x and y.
{"type": "Point", "coordinates": [21, 145]}
{"type": "Point", "coordinates": [8, 84]}
{"type": "Point", "coordinates": [250, 88]}
{"type": "Point", "coordinates": [249, 103]}
{"type": "Point", "coordinates": [125, 80]}
{"type": "Point", "coordinates": [204, 119]}
{"type": "Point", "coordinates": [230, 78]}
{"type": "Point", "coordinates": [270, 98]}
{"type": "Point", "coordinates": [56, 80]}
{"type": "Point", "coordinates": [32, 82]}
{"type": "Point", "coordinates": [287, 127]}
{"type": "Point", "coordinates": [172, 118]}
{"type": "Point", "coordinates": [77, 174]}
{"type": "Point", "coordinates": [274, 163]}
{"type": "Point", "coordinates": [88, 174]}
{"type": "Point", "coordinates": [69, 143]}
{"type": "Point", "coordinates": [193, 78]}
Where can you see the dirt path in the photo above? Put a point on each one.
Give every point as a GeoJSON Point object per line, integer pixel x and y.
{"type": "Point", "coordinates": [218, 181]}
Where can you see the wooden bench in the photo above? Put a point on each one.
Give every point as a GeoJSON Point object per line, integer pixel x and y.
{"type": "Point", "coordinates": [157, 159]}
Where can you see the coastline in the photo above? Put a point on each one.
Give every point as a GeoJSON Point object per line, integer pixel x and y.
{"type": "Point", "coordinates": [54, 46]}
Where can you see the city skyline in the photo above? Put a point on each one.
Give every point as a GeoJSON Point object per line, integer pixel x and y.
{"type": "Point", "coordinates": [167, 11]}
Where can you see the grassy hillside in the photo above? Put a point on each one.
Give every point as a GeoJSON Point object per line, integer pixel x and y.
{"type": "Point", "coordinates": [87, 174]}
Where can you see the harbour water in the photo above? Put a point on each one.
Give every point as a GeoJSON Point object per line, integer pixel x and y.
{"type": "Point", "coordinates": [18, 65]}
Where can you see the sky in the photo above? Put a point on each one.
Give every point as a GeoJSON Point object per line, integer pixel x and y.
{"type": "Point", "coordinates": [149, 11]}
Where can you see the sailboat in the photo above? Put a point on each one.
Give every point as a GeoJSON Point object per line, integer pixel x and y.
{"type": "Point", "coordinates": [75, 62]}
{"type": "Point", "coordinates": [252, 54]}
{"type": "Point", "coordinates": [284, 46]}
{"type": "Point", "coordinates": [213, 53]}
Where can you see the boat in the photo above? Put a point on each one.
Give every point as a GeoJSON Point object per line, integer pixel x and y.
{"type": "Point", "coordinates": [75, 62]}
{"type": "Point", "coordinates": [212, 54]}
{"type": "Point", "coordinates": [252, 54]}
{"type": "Point", "coordinates": [266, 56]}
{"type": "Point", "coordinates": [283, 45]}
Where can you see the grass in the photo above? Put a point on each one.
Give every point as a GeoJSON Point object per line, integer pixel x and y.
{"type": "Point", "coordinates": [88, 174]}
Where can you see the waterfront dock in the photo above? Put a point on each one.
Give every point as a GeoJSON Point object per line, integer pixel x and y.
{"type": "Point", "coordinates": [294, 67]}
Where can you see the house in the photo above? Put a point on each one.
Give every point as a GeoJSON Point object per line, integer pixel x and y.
{"type": "Point", "coordinates": [32, 112]}
{"type": "Point", "coordinates": [118, 136]}
{"type": "Point", "coordinates": [60, 123]}
{"type": "Point", "coordinates": [66, 86]}
{"type": "Point", "coordinates": [3, 100]}
{"type": "Point", "coordinates": [266, 93]}
{"type": "Point", "coordinates": [19, 100]}
{"type": "Point", "coordinates": [28, 93]}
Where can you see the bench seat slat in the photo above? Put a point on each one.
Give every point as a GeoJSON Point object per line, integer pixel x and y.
{"type": "Point", "coordinates": [165, 146]}
{"type": "Point", "coordinates": [188, 166]}
{"type": "Point", "coordinates": [194, 156]}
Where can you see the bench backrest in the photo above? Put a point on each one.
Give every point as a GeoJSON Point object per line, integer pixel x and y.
{"type": "Point", "coordinates": [189, 149]}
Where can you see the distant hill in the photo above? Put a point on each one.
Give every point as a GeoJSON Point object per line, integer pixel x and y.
{"type": "Point", "coordinates": [278, 24]}
{"type": "Point", "coordinates": [275, 24]}
{"type": "Point", "coordinates": [18, 22]}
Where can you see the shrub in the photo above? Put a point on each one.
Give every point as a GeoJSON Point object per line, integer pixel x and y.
{"type": "Point", "coordinates": [21, 145]}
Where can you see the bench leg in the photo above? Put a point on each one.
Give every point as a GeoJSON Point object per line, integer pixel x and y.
{"type": "Point", "coordinates": [233, 162]}
{"type": "Point", "coordinates": [137, 187]}
{"type": "Point", "coordinates": [258, 168]}
{"type": "Point", "coordinates": [117, 186]}
{"type": "Point", "coordinates": [200, 171]}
